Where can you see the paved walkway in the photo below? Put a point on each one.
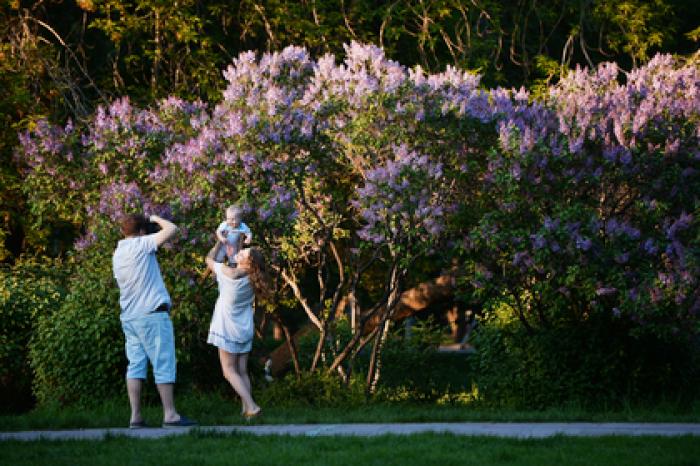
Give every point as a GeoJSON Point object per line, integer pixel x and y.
{"type": "Point", "coordinates": [513, 430]}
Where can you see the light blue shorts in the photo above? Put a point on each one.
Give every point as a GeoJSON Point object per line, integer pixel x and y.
{"type": "Point", "coordinates": [150, 338]}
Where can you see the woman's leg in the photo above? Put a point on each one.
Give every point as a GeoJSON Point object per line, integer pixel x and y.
{"type": "Point", "coordinates": [229, 366]}
{"type": "Point", "coordinates": [242, 365]}
{"type": "Point", "coordinates": [242, 369]}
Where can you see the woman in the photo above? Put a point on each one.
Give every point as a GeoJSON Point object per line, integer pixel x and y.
{"type": "Point", "coordinates": [232, 326]}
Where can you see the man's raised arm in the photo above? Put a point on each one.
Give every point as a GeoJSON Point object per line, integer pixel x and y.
{"type": "Point", "coordinates": [167, 229]}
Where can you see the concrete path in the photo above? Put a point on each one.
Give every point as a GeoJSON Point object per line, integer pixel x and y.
{"type": "Point", "coordinates": [513, 430]}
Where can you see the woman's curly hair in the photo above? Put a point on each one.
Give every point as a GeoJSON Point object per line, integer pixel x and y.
{"type": "Point", "coordinates": [259, 276]}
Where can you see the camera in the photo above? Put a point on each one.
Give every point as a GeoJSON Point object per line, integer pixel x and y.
{"type": "Point", "coordinates": [152, 227]}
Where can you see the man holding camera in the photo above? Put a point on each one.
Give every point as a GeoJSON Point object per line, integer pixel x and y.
{"type": "Point", "coordinates": [145, 315]}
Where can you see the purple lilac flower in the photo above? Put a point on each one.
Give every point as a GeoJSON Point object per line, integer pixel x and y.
{"type": "Point", "coordinates": [649, 247]}
{"type": "Point", "coordinates": [538, 241]}
{"type": "Point", "coordinates": [605, 291]}
{"type": "Point", "coordinates": [583, 243]}
{"type": "Point", "coordinates": [85, 241]}
{"type": "Point", "coordinates": [551, 224]}
{"type": "Point", "coordinates": [622, 258]}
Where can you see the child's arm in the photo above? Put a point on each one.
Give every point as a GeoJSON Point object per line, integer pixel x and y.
{"type": "Point", "coordinates": [220, 233]}
{"type": "Point", "coordinates": [247, 233]}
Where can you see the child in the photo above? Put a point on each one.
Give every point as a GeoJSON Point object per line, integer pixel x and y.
{"type": "Point", "coordinates": [232, 233]}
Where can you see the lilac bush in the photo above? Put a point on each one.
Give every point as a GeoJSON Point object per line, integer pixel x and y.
{"type": "Point", "coordinates": [595, 201]}
{"type": "Point", "coordinates": [584, 201]}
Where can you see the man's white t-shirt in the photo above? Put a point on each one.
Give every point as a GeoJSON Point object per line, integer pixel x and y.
{"type": "Point", "coordinates": [141, 286]}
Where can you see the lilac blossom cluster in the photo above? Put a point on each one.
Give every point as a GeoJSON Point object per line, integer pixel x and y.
{"type": "Point", "coordinates": [118, 198]}
{"type": "Point", "coordinates": [656, 109]}
{"type": "Point", "coordinates": [601, 172]}
{"type": "Point", "coordinates": [107, 166]}
{"type": "Point", "coordinates": [591, 193]}
{"type": "Point", "coordinates": [401, 201]}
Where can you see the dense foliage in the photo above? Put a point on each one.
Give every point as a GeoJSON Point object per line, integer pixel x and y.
{"type": "Point", "coordinates": [29, 290]}
{"type": "Point", "coordinates": [594, 202]}
{"type": "Point", "coordinates": [569, 206]}
{"type": "Point", "coordinates": [593, 365]}
{"type": "Point", "coordinates": [77, 348]}
{"type": "Point", "coordinates": [576, 208]}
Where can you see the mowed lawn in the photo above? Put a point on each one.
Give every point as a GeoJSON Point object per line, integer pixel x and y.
{"type": "Point", "coordinates": [213, 409]}
{"type": "Point", "coordinates": [201, 448]}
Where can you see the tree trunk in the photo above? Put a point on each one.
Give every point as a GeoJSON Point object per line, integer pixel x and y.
{"type": "Point", "coordinates": [277, 332]}
{"type": "Point", "coordinates": [375, 362]}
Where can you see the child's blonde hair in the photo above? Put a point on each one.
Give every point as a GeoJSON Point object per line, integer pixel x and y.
{"type": "Point", "coordinates": [234, 210]}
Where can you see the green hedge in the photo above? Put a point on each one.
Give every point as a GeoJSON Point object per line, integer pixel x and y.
{"type": "Point", "coordinates": [312, 389]}
{"type": "Point", "coordinates": [596, 364]}
{"type": "Point", "coordinates": [77, 350]}
{"type": "Point", "coordinates": [62, 336]}
{"type": "Point", "coordinates": [30, 288]}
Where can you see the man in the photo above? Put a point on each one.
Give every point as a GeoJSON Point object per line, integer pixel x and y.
{"type": "Point", "coordinates": [145, 316]}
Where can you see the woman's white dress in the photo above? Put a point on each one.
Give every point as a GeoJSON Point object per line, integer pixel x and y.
{"type": "Point", "coordinates": [231, 326]}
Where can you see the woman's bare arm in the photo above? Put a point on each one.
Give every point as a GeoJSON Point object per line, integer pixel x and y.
{"type": "Point", "coordinates": [210, 259]}
{"type": "Point", "coordinates": [231, 272]}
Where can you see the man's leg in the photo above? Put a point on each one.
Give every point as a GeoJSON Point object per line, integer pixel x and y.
{"type": "Point", "coordinates": [161, 352]}
{"type": "Point", "coordinates": [137, 369]}
{"type": "Point", "coordinates": [167, 397]}
{"type": "Point", "coordinates": [133, 388]}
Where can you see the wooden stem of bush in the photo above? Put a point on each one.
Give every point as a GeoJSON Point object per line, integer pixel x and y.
{"type": "Point", "coordinates": [375, 363]}
{"type": "Point", "coordinates": [290, 344]}
{"type": "Point", "coordinates": [412, 301]}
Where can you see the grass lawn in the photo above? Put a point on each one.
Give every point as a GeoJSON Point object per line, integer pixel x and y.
{"type": "Point", "coordinates": [212, 409]}
{"type": "Point", "coordinates": [424, 449]}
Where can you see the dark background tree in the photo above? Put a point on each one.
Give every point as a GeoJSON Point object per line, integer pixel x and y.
{"type": "Point", "coordinates": [61, 58]}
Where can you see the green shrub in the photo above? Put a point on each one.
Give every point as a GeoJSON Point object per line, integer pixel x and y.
{"type": "Point", "coordinates": [411, 373]}
{"type": "Point", "coordinates": [28, 289]}
{"type": "Point", "coordinates": [413, 369]}
{"type": "Point", "coordinates": [193, 305]}
{"type": "Point", "coordinates": [77, 349]}
{"type": "Point", "coordinates": [595, 364]}
{"type": "Point", "coordinates": [312, 389]}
